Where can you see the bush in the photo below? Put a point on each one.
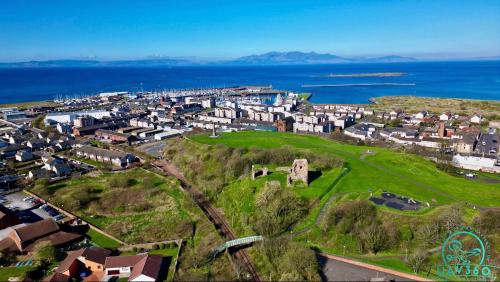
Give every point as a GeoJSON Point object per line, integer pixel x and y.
{"type": "Point", "coordinates": [135, 250]}
{"type": "Point", "coordinates": [277, 211]}
{"type": "Point", "coordinates": [162, 246]}
{"type": "Point", "coordinates": [488, 221]}
{"type": "Point", "coordinates": [121, 181]}
{"type": "Point", "coordinates": [373, 238]}
{"type": "Point", "coordinates": [349, 217]}
{"type": "Point", "coordinates": [156, 247]}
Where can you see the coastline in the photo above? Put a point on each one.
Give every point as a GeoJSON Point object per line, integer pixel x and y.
{"type": "Point", "coordinates": [384, 103]}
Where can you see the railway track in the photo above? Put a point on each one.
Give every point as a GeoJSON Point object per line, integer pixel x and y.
{"type": "Point", "coordinates": [213, 215]}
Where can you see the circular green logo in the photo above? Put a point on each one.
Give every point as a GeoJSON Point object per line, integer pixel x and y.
{"type": "Point", "coordinates": [465, 254]}
{"type": "Point", "coordinates": [463, 248]}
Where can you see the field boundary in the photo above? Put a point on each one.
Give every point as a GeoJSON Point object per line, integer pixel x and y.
{"type": "Point", "coordinates": [71, 215]}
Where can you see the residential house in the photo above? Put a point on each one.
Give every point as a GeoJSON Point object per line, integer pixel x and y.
{"type": "Point", "coordinates": [210, 118]}
{"type": "Point", "coordinates": [228, 112]}
{"type": "Point", "coordinates": [64, 128]}
{"type": "Point", "coordinates": [360, 131]}
{"type": "Point", "coordinates": [113, 136]}
{"type": "Point", "coordinates": [344, 122]}
{"type": "Point", "coordinates": [141, 267]}
{"type": "Point", "coordinates": [421, 115]}
{"type": "Point", "coordinates": [36, 144]}
{"type": "Point", "coordinates": [116, 158]}
{"type": "Point", "coordinates": [322, 127]}
{"type": "Point", "coordinates": [58, 166]}
{"type": "Point", "coordinates": [24, 156]}
{"type": "Point", "coordinates": [11, 150]}
{"type": "Point", "coordinates": [90, 130]}
{"type": "Point", "coordinates": [86, 261]}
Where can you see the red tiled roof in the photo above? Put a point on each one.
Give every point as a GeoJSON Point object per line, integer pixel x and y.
{"type": "Point", "coordinates": [123, 261]}
{"type": "Point", "coordinates": [150, 266]}
{"type": "Point", "coordinates": [68, 261]}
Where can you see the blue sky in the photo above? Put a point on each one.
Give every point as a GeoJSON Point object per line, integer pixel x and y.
{"type": "Point", "coordinates": [225, 29]}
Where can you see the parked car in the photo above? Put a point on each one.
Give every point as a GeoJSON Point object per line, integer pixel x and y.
{"type": "Point", "coordinates": [59, 217]}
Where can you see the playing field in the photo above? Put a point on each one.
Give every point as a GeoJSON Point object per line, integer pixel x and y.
{"type": "Point", "coordinates": [376, 169]}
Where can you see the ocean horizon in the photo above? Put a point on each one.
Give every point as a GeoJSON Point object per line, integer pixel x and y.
{"type": "Point", "coordinates": [327, 83]}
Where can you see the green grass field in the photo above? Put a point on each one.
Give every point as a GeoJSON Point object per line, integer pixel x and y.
{"type": "Point", "coordinates": [102, 240]}
{"type": "Point", "coordinates": [133, 212]}
{"type": "Point", "coordinates": [380, 170]}
{"type": "Point", "coordinates": [383, 170]}
{"type": "Point", "coordinates": [7, 272]}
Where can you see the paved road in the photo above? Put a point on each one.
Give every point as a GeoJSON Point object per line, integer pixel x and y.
{"type": "Point", "coordinates": [341, 269]}
{"type": "Point", "coordinates": [212, 214]}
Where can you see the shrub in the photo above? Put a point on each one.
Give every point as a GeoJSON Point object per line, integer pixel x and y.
{"type": "Point", "coordinates": [488, 221]}
{"type": "Point", "coordinates": [121, 181]}
{"type": "Point", "coordinates": [156, 247]}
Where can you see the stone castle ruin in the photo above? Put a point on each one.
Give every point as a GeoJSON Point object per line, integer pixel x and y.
{"type": "Point", "coordinates": [298, 171]}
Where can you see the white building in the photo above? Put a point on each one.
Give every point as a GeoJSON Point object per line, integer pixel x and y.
{"type": "Point", "coordinates": [444, 117]}
{"type": "Point", "coordinates": [167, 134]}
{"type": "Point", "coordinates": [476, 163]}
{"type": "Point", "coordinates": [475, 119]}
{"type": "Point", "coordinates": [215, 119]}
{"type": "Point", "coordinates": [69, 117]}
{"type": "Point", "coordinates": [13, 115]}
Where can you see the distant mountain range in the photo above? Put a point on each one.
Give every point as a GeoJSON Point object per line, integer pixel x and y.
{"type": "Point", "coordinates": [295, 58]}
{"type": "Point", "coordinates": [271, 58]}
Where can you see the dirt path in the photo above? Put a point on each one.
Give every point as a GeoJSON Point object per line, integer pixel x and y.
{"type": "Point", "coordinates": [212, 214]}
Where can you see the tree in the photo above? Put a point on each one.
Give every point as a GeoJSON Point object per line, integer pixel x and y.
{"type": "Point", "coordinates": [373, 237]}
{"type": "Point", "coordinates": [291, 276]}
{"type": "Point", "coordinates": [451, 218]}
{"type": "Point", "coordinates": [429, 233]}
{"type": "Point", "coordinates": [300, 260]}
{"type": "Point", "coordinates": [45, 252]}
{"type": "Point", "coordinates": [418, 260]}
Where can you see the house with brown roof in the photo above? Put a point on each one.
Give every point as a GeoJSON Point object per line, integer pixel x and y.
{"type": "Point", "coordinates": [141, 267]}
{"type": "Point", "coordinates": [86, 262]}
{"type": "Point", "coordinates": [23, 239]}
{"type": "Point", "coordinates": [113, 136]}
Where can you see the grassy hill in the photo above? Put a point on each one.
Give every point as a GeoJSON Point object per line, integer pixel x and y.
{"type": "Point", "coordinates": [365, 169]}
{"type": "Point", "coordinates": [380, 170]}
